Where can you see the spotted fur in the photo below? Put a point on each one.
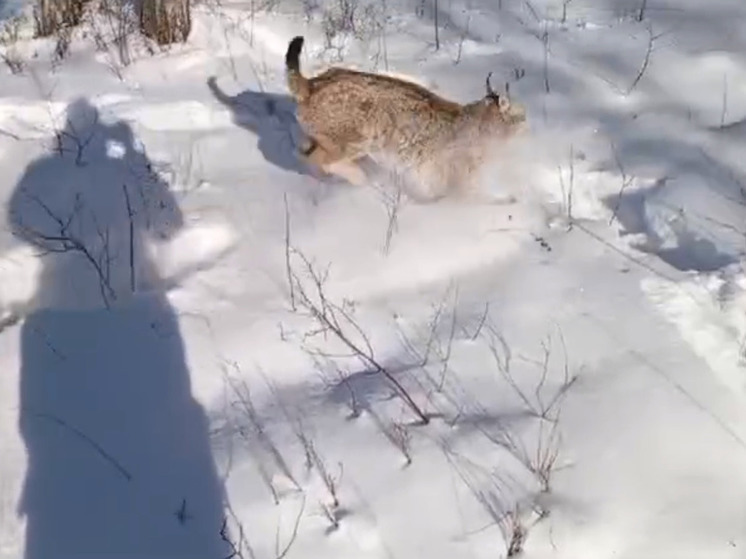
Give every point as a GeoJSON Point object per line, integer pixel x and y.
{"type": "Point", "coordinates": [349, 114]}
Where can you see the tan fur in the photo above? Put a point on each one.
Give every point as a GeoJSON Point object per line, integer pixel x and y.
{"type": "Point", "coordinates": [349, 114]}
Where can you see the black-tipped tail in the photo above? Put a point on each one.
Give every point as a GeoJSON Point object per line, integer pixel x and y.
{"type": "Point", "coordinates": [297, 84]}
{"type": "Point", "coordinates": [292, 57]}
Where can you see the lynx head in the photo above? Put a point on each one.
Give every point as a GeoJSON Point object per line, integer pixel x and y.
{"type": "Point", "coordinates": [496, 110]}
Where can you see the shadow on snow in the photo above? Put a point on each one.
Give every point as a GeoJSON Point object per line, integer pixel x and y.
{"type": "Point", "coordinates": [119, 461]}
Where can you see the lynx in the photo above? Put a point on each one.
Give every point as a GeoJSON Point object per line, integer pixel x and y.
{"type": "Point", "coordinates": [348, 115]}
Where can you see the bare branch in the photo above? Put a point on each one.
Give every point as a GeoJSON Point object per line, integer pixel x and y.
{"type": "Point", "coordinates": [565, 3]}
{"type": "Point", "coordinates": [482, 320]}
{"type": "Point", "coordinates": [641, 13]}
{"type": "Point", "coordinates": [447, 357]}
{"type": "Point", "coordinates": [281, 554]}
{"type": "Point", "coordinates": [545, 42]}
{"type": "Point", "coordinates": [80, 434]}
{"type": "Point", "coordinates": [288, 269]}
{"type": "Point", "coordinates": [436, 25]}
{"type": "Point", "coordinates": [626, 181]}
{"type": "Point", "coordinates": [65, 241]}
{"type": "Point", "coordinates": [461, 40]}
{"type": "Point", "coordinates": [246, 404]}
{"type": "Point", "coordinates": [567, 191]}
{"type": "Point", "coordinates": [646, 59]}
{"type": "Point", "coordinates": [330, 317]}
{"type": "Point", "coordinates": [724, 110]}
{"type": "Point", "coordinates": [130, 216]}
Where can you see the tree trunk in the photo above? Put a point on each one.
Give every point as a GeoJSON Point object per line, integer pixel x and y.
{"type": "Point", "coordinates": [166, 21]}
{"type": "Point", "coordinates": [54, 15]}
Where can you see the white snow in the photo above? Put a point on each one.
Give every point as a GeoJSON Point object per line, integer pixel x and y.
{"type": "Point", "coordinates": [580, 353]}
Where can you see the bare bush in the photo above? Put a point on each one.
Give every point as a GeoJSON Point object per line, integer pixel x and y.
{"type": "Point", "coordinates": [13, 61]}
{"type": "Point", "coordinates": [63, 37]}
{"type": "Point", "coordinates": [240, 547]}
{"type": "Point", "coordinates": [495, 493]}
{"type": "Point", "coordinates": [114, 31]}
{"type": "Point", "coordinates": [65, 240]}
{"type": "Point", "coordinates": [332, 376]}
{"type": "Point", "coordinates": [313, 458]}
{"type": "Point", "coordinates": [166, 21]}
{"type": "Point", "coordinates": [515, 502]}
{"type": "Point", "coordinates": [342, 17]}
{"type": "Point", "coordinates": [540, 405]}
{"type": "Point", "coordinates": [540, 456]}
{"type": "Point", "coordinates": [351, 18]}
{"type": "Point", "coordinates": [53, 16]}
{"type": "Point", "coordinates": [10, 34]}
{"type": "Point", "coordinates": [264, 450]}
{"type": "Point", "coordinates": [10, 30]}
{"type": "Point", "coordinates": [337, 320]}
{"type": "Point", "coordinates": [392, 199]}
{"type": "Point", "coordinates": [400, 436]}
{"type": "Point", "coordinates": [514, 533]}
{"type": "Point", "coordinates": [330, 509]}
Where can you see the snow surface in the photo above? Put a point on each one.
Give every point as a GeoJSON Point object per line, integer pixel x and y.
{"type": "Point", "coordinates": [165, 394]}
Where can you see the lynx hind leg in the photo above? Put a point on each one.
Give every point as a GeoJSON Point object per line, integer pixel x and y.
{"type": "Point", "coordinates": [332, 160]}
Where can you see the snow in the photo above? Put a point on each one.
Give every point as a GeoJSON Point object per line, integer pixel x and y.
{"type": "Point", "coordinates": [579, 353]}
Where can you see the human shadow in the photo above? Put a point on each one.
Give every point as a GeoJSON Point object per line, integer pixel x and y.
{"type": "Point", "coordinates": [271, 117]}
{"type": "Point", "coordinates": [119, 461]}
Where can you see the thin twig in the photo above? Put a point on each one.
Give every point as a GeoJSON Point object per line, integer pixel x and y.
{"type": "Point", "coordinates": [393, 205]}
{"type": "Point", "coordinates": [327, 314]}
{"type": "Point", "coordinates": [235, 551]}
{"type": "Point", "coordinates": [293, 536]}
{"type": "Point", "coordinates": [565, 3]}
{"type": "Point", "coordinates": [10, 135]}
{"type": "Point", "coordinates": [646, 60]}
{"type": "Point", "coordinates": [288, 268]}
{"type": "Point", "coordinates": [545, 41]}
{"type": "Point", "coordinates": [724, 110]}
{"type": "Point", "coordinates": [97, 447]}
{"type": "Point", "coordinates": [641, 13]}
{"type": "Point", "coordinates": [70, 244]}
{"type": "Point", "coordinates": [447, 357]}
{"type": "Point", "coordinates": [130, 215]}
{"type": "Point", "coordinates": [567, 194]}
{"type": "Point", "coordinates": [482, 320]}
{"type": "Point", "coordinates": [626, 181]}
{"type": "Point", "coordinates": [462, 38]}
